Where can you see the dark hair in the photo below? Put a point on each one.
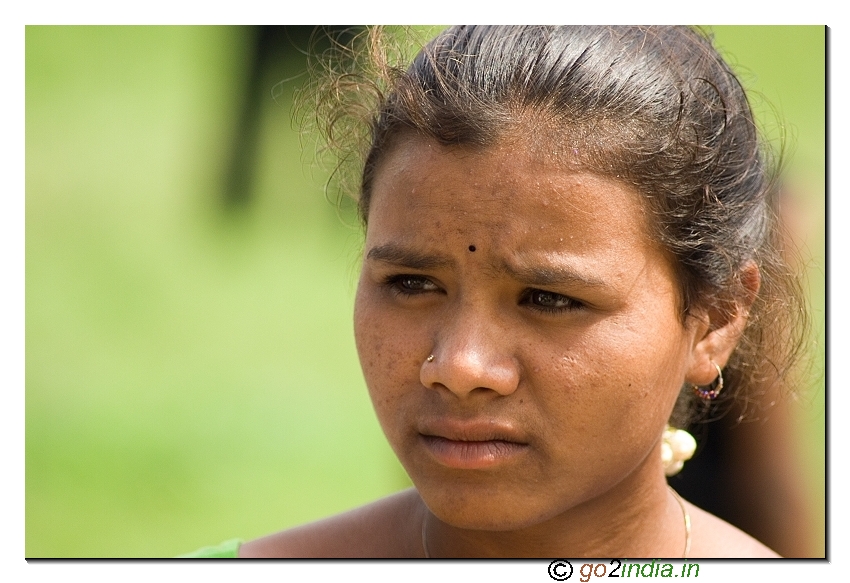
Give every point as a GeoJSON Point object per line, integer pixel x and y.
{"type": "Point", "coordinates": [654, 107]}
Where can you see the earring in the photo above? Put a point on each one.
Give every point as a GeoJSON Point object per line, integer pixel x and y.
{"type": "Point", "coordinates": [713, 389]}
{"type": "Point", "coordinates": [677, 447]}
{"type": "Point", "coordinates": [430, 358]}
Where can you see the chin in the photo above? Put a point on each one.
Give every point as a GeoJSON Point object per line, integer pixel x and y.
{"type": "Point", "coordinates": [487, 508]}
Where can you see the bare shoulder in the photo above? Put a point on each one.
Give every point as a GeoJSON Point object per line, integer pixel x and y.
{"type": "Point", "coordinates": [387, 528]}
{"type": "Point", "coordinates": [716, 538]}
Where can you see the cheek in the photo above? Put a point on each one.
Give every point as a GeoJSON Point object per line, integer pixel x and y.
{"type": "Point", "coordinates": [388, 355]}
{"type": "Point", "coordinates": [370, 344]}
{"type": "Point", "coordinates": [371, 335]}
{"type": "Point", "coordinates": [613, 391]}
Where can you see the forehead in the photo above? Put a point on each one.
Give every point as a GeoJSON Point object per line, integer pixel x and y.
{"type": "Point", "coordinates": [513, 190]}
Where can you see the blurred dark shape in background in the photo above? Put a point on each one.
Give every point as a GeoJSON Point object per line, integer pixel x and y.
{"type": "Point", "coordinates": [279, 55]}
{"type": "Point", "coordinates": [746, 473]}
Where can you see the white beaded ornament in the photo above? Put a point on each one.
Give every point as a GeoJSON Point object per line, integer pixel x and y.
{"type": "Point", "coordinates": [677, 446]}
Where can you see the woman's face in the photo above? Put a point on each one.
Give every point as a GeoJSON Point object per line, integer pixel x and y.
{"type": "Point", "coordinates": [558, 349]}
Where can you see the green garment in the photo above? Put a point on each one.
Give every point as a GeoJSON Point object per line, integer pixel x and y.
{"type": "Point", "coordinates": [226, 550]}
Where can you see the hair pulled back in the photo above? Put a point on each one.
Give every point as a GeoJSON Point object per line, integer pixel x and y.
{"type": "Point", "coordinates": [654, 107]}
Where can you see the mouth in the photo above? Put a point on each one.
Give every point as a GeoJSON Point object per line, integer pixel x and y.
{"type": "Point", "coordinates": [471, 446]}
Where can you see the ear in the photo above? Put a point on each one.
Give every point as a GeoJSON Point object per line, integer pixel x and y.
{"type": "Point", "coordinates": [719, 327]}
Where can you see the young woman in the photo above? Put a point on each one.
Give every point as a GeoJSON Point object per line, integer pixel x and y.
{"type": "Point", "coordinates": [570, 242]}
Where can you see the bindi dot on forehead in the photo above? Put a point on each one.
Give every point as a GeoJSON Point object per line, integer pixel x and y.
{"type": "Point", "coordinates": [472, 248]}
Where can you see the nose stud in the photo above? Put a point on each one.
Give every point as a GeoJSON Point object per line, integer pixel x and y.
{"type": "Point", "coordinates": [430, 358]}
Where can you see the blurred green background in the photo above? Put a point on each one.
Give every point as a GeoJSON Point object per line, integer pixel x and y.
{"type": "Point", "coordinates": [190, 366]}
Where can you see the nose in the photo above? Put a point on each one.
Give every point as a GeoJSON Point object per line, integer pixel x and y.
{"type": "Point", "coordinates": [472, 353]}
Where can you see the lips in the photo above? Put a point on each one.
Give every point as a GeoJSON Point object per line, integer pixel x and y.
{"type": "Point", "coordinates": [469, 445]}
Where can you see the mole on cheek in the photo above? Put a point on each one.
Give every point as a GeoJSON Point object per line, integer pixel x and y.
{"type": "Point", "coordinates": [472, 248]}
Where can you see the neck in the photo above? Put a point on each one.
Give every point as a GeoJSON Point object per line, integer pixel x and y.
{"type": "Point", "coordinates": [638, 517]}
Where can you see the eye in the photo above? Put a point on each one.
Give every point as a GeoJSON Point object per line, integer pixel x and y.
{"type": "Point", "coordinates": [411, 284]}
{"type": "Point", "coordinates": [551, 302]}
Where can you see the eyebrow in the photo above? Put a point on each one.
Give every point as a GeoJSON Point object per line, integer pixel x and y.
{"type": "Point", "coordinates": [533, 275]}
{"type": "Point", "coordinates": [548, 275]}
{"type": "Point", "coordinates": [408, 258]}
